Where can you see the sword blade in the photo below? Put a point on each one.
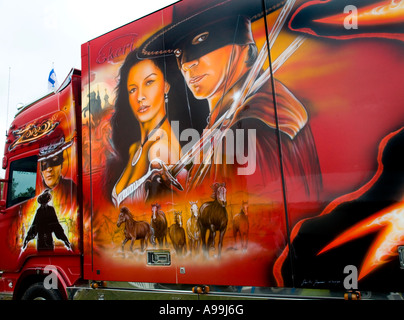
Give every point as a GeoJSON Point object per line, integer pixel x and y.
{"type": "Point", "coordinates": [226, 119]}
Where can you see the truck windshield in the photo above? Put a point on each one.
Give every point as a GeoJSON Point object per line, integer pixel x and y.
{"type": "Point", "coordinates": [23, 180]}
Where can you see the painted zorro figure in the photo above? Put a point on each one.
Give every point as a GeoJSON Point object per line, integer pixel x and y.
{"type": "Point", "coordinates": [216, 67]}
{"type": "Point", "coordinates": [45, 224]}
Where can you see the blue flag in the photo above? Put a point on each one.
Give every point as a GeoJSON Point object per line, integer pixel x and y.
{"type": "Point", "coordinates": [52, 81]}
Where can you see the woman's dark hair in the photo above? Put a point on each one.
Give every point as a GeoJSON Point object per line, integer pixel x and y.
{"type": "Point", "coordinates": [125, 127]}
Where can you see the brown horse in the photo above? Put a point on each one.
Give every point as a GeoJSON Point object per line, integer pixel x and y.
{"type": "Point", "coordinates": [241, 226]}
{"type": "Point", "coordinates": [159, 225]}
{"type": "Point", "coordinates": [134, 230]}
{"type": "Point", "coordinates": [193, 229]}
{"type": "Point", "coordinates": [177, 234]}
{"type": "Point", "coordinates": [213, 217]}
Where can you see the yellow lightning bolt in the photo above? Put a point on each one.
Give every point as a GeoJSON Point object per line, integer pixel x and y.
{"type": "Point", "coordinates": [390, 223]}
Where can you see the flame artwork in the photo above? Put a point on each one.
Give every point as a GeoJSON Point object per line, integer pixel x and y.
{"type": "Point", "coordinates": [363, 228]}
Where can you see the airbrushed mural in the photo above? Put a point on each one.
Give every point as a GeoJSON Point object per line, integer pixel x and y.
{"type": "Point", "coordinates": [256, 142]}
{"type": "Point", "coordinates": [43, 189]}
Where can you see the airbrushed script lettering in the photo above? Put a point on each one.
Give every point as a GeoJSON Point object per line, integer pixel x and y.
{"type": "Point", "coordinates": [116, 47]}
{"type": "Point", "coordinates": [33, 132]}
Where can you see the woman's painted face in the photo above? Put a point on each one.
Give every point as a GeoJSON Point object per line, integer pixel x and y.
{"type": "Point", "coordinates": [146, 88]}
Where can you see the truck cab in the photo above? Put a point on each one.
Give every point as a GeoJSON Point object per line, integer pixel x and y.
{"type": "Point", "coordinates": [40, 211]}
{"type": "Point", "coordinates": [264, 158]}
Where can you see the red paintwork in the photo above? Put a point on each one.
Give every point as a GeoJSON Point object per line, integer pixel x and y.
{"type": "Point", "coordinates": [18, 265]}
{"type": "Point", "coordinates": [351, 90]}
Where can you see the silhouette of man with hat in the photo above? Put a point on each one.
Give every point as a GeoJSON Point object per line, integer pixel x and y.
{"type": "Point", "coordinates": [45, 224]}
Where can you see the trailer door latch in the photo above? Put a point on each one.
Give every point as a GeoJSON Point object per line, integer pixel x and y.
{"type": "Point", "coordinates": [158, 258]}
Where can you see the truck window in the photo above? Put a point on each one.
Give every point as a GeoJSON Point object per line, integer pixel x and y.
{"type": "Point", "coordinates": [22, 180]}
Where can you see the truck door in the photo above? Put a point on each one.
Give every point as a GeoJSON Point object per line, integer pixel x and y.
{"type": "Point", "coordinates": [18, 193]}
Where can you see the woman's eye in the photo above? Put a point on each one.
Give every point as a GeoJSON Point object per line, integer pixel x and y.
{"type": "Point", "coordinates": [133, 90]}
{"type": "Point", "coordinates": [149, 82]}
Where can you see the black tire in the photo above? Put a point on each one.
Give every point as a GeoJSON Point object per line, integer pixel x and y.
{"type": "Point", "coordinates": [37, 291]}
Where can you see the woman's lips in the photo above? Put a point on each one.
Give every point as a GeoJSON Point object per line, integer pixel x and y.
{"type": "Point", "coordinates": [143, 109]}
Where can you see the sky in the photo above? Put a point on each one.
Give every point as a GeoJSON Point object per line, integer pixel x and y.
{"type": "Point", "coordinates": [36, 35]}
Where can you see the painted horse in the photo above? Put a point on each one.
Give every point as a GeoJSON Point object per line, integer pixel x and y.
{"type": "Point", "coordinates": [134, 230]}
{"type": "Point", "coordinates": [159, 225]}
{"type": "Point", "coordinates": [177, 234]}
{"type": "Point", "coordinates": [213, 217]}
{"type": "Point", "coordinates": [193, 229]}
{"type": "Point", "coordinates": [241, 226]}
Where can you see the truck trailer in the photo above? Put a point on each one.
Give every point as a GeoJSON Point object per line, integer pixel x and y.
{"type": "Point", "coordinates": [216, 148]}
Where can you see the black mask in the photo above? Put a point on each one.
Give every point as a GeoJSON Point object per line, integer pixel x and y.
{"type": "Point", "coordinates": [233, 30]}
{"type": "Point", "coordinates": [54, 161]}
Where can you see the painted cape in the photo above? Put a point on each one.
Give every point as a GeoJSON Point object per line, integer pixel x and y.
{"type": "Point", "coordinates": [297, 145]}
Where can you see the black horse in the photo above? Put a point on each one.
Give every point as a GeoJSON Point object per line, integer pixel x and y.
{"type": "Point", "coordinates": [213, 217]}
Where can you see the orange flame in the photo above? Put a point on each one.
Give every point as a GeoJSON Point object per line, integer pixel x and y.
{"type": "Point", "coordinates": [391, 220]}
{"type": "Point", "coordinates": [390, 223]}
{"type": "Point", "coordinates": [391, 11]}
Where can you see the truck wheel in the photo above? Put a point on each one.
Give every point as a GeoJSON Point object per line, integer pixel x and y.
{"type": "Point", "coordinates": [37, 291]}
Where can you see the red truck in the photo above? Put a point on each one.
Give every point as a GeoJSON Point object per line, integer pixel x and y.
{"type": "Point", "coordinates": [242, 148]}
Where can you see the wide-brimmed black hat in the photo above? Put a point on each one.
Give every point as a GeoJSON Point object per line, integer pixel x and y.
{"type": "Point", "coordinates": [44, 197]}
{"type": "Point", "coordinates": [53, 145]}
{"type": "Point", "coordinates": [199, 27]}
{"type": "Point", "coordinates": [51, 151]}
